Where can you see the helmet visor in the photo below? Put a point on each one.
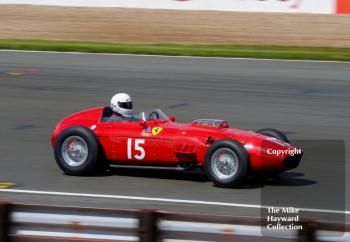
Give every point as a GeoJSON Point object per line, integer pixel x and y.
{"type": "Point", "coordinates": [125, 105]}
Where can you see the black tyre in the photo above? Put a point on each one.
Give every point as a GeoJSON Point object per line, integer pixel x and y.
{"type": "Point", "coordinates": [77, 151]}
{"type": "Point", "coordinates": [226, 163]}
{"type": "Point", "coordinates": [274, 133]}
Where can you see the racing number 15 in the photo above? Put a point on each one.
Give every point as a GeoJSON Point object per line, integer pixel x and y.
{"type": "Point", "coordinates": [137, 148]}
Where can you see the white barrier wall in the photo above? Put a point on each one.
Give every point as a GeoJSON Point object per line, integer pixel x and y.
{"type": "Point", "coordinates": [285, 6]}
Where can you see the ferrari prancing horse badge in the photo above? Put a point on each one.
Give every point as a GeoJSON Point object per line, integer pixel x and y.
{"type": "Point", "coordinates": [156, 130]}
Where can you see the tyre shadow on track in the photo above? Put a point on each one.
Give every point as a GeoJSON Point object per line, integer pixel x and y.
{"type": "Point", "coordinates": [193, 175]}
{"type": "Point", "coordinates": [290, 179]}
{"type": "Point", "coordinates": [287, 179]}
{"type": "Point", "coordinates": [284, 180]}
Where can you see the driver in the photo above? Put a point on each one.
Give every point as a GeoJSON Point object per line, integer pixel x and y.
{"type": "Point", "coordinates": [121, 105]}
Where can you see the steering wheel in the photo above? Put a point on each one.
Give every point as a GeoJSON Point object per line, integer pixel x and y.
{"type": "Point", "coordinates": [153, 116]}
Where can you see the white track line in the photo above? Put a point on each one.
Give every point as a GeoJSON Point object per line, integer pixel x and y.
{"type": "Point", "coordinates": [172, 56]}
{"type": "Point", "coordinates": [168, 200]}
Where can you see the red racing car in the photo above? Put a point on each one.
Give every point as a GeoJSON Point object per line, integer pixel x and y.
{"type": "Point", "coordinates": [90, 140]}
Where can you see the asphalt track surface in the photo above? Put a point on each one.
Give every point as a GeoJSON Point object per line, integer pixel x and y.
{"type": "Point", "coordinates": [307, 100]}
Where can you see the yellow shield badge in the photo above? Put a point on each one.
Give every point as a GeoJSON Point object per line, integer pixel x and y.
{"type": "Point", "coordinates": [156, 130]}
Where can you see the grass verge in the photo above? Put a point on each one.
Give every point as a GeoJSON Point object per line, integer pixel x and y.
{"type": "Point", "coordinates": [273, 52]}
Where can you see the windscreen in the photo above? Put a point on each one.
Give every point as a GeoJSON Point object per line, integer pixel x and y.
{"type": "Point", "coordinates": [155, 114]}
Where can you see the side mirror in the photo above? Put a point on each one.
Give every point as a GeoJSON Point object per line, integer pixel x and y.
{"type": "Point", "coordinates": [143, 123]}
{"type": "Point", "coordinates": [172, 118]}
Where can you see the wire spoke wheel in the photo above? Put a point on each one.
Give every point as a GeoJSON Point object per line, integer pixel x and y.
{"type": "Point", "coordinates": [77, 151]}
{"type": "Point", "coordinates": [224, 163]}
{"type": "Point", "coordinates": [74, 151]}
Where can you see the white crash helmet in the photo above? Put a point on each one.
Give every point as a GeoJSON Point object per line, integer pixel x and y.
{"type": "Point", "coordinates": [121, 103]}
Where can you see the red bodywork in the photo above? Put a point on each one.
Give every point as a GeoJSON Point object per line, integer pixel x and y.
{"type": "Point", "coordinates": [168, 143]}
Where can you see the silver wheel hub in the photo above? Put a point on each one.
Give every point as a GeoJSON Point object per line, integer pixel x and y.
{"type": "Point", "coordinates": [74, 151]}
{"type": "Point", "coordinates": [224, 163]}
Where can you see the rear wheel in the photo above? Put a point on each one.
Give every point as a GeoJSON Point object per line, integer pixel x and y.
{"type": "Point", "coordinates": [77, 151]}
{"type": "Point", "coordinates": [226, 163]}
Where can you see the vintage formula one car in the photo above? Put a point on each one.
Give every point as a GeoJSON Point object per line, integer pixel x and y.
{"type": "Point", "coordinates": [89, 141]}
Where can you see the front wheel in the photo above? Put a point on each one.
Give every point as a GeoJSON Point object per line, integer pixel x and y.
{"type": "Point", "coordinates": [274, 133]}
{"type": "Point", "coordinates": [226, 163]}
{"type": "Point", "coordinates": [76, 151]}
